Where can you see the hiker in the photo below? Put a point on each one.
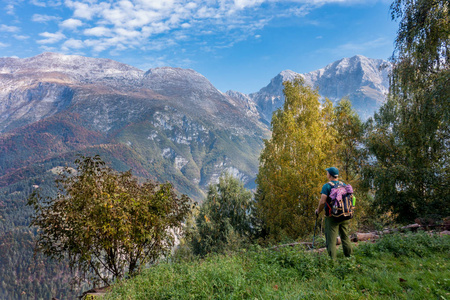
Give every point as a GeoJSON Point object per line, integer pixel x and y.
{"type": "Point", "coordinates": [333, 225]}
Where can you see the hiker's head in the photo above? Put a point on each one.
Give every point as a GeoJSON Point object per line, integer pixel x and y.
{"type": "Point", "coordinates": [332, 173]}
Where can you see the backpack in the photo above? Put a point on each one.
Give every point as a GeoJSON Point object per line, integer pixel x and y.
{"type": "Point", "coordinates": [340, 202]}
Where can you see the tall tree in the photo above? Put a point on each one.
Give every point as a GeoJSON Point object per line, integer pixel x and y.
{"type": "Point", "coordinates": [352, 157]}
{"type": "Point", "coordinates": [293, 162]}
{"type": "Point", "coordinates": [410, 136]}
{"type": "Point", "coordinates": [224, 217]}
{"type": "Point", "coordinates": [106, 223]}
{"type": "Point", "coordinates": [349, 137]}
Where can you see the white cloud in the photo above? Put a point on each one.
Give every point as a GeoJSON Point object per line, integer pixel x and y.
{"type": "Point", "coordinates": [6, 28]}
{"type": "Point", "coordinates": [100, 45]}
{"type": "Point", "coordinates": [240, 4]}
{"type": "Point", "coordinates": [98, 31]}
{"type": "Point", "coordinates": [86, 10]}
{"type": "Point", "coordinates": [51, 38]}
{"type": "Point", "coordinates": [296, 11]}
{"type": "Point", "coordinates": [159, 44]}
{"type": "Point", "coordinates": [72, 44]}
{"type": "Point", "coordinates": [10, 9]}
{"type": "Point", "coordinates": [127, 34]}
{"type": "Point", "coordinates": [21, 37]}
{"type": "Point", "coordinates": [139, 22]}
{"type": "Point", "coordinates": [3, 45]}
{"type": "Point", "coordinates": [46, 3]}
{"type": "Point", "coordinates": [44, 18]}
{"type": "Point", "coordinates": [118, 24]}
{"type": "Point", "coordinates": [38, 3]}
{"type": "Point", "coordinates": [71, 24]}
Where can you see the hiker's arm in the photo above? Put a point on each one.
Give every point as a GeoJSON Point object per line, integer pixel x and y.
{"type": "Point", "coordinates": [323, 200]}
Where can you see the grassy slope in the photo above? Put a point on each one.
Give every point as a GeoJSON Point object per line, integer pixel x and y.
{"type": "Point", "coordinates": [374, 272]}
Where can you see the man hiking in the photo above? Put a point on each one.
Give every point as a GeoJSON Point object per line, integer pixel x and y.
{"type": "Point", "coordinates": [334, 225]}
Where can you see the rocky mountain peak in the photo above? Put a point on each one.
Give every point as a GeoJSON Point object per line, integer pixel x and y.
{"type": "Point", "coordinates": [275, 87]}
{"type": "Point", "coordinates": [245, 102]}
{"type": "Point", "coordinates": [345, 77]}
{"type": "Point", "coordinates": [356, 64]}
{"type": "Point", "coordinates": [176, 75]}
{"type": "Point", "coordinates": [287, 75]}
{"type": "Point", "coordinates": [363, 80]}
{"type": "Point", "coordinates": [80, 69]}
{"type": "Point", "coordinates": [172, 81]}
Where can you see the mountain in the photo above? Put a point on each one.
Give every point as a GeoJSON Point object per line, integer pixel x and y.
{"type": "Point", "coordinates": [166, 123]}
{"type": "Point", "coordinates": [173, 123]}
{"type": "Point", "coordinates": [364, 81]}
{"type": "Point", "coordinates": [34, 88]}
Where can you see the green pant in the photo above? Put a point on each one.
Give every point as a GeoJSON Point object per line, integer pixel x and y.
{"type": "Point", "coordinates": [332, 227]}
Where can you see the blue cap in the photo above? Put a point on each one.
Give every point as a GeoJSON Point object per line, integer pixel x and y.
{"type": "Point", "coordinates": [333, 171]}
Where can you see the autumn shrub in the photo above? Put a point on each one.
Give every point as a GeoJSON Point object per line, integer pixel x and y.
{"type": "Point", "coordinates": [105, 223]}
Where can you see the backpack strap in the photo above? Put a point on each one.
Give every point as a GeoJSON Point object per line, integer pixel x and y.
{"type": "Point", "coordinates": [329, 209]}
{"type": "Point", "coordinates": [339, 183]}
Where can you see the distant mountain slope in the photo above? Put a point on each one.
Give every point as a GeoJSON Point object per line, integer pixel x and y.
{"type": "Point", "coordinates": [180, 127]}
{"type": "Point", "coordinates": [363, 80]}
{"type": "Point", "coordinates": [38, 87]}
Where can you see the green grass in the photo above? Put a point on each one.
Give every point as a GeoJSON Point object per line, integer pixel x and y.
{"type": "Point", "coordinates": [397, 267]}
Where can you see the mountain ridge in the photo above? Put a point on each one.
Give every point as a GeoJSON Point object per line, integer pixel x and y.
{"type": "Point", "coordinates": [363, 80]}
{"type": "Point", "coordinates": [178, 125]}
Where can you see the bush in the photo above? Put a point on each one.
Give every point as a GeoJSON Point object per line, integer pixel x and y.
{"type": "Point", "coordinates": [106, 223]}
{"type": "Point", "coordinates": [417, 244]}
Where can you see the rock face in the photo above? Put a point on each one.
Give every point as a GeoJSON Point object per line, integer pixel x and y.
{"type": "Point", "coordinates": [362, 80]}
{"type": "Point", "coordinates": [167, 123]}
{"type": "Point", "coordinates": [36, 88]}
{"type": "Point", "coordinates": [271, 97]}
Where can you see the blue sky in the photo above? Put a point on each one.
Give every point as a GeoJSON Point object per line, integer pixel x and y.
{"type": "Point", "coordinates": [237, 44]}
